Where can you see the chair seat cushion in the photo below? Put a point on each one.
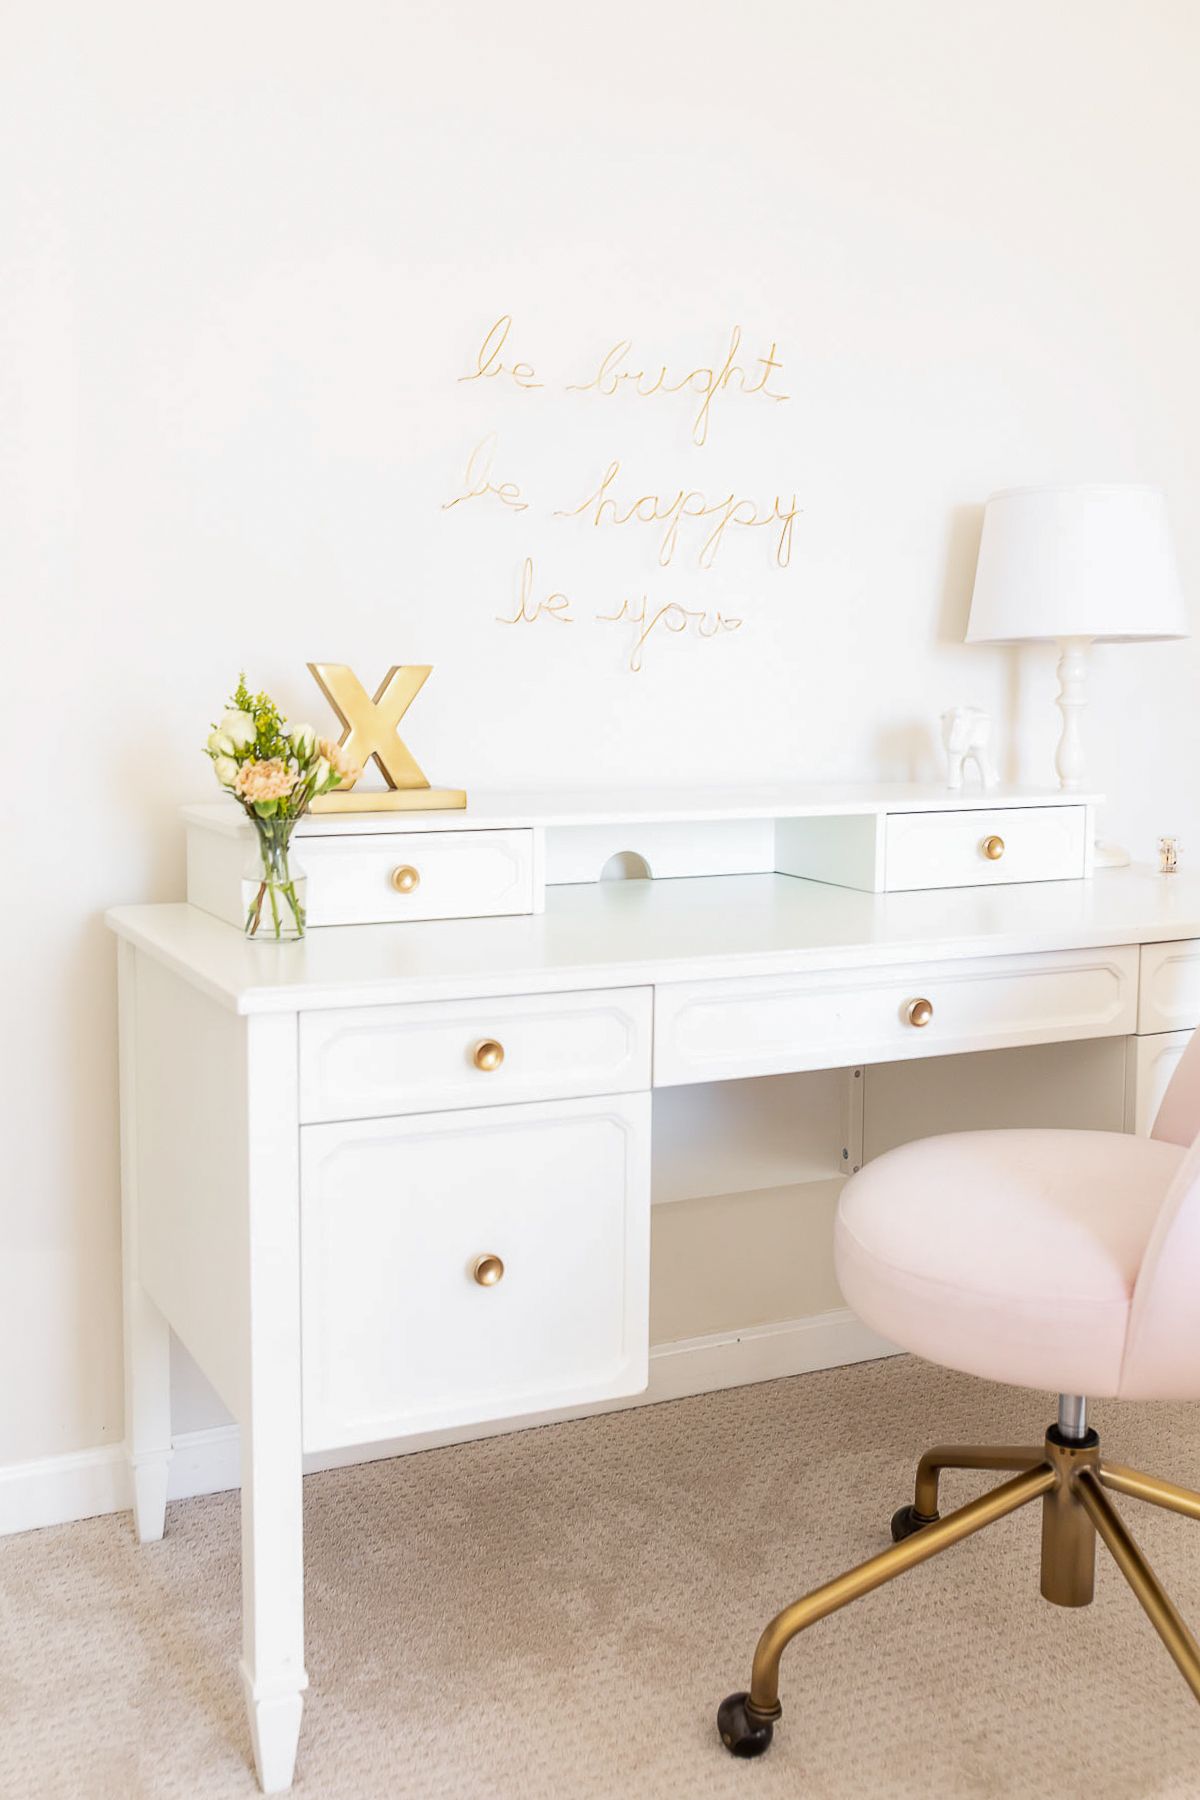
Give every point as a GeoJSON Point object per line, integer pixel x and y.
{"type": "Point", "coordinates": [1006, 1254]}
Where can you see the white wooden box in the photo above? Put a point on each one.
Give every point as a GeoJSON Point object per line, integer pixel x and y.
{"type": "Point", "coordinates": [497, 856]}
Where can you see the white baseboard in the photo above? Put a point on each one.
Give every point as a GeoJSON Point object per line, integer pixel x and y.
{"type": "Point", "coordinates": [205, 1462]}
{"type": "Point", "coordinates": [60, 1488]}
{"type": "Point", "coordinates": [81, 1485]}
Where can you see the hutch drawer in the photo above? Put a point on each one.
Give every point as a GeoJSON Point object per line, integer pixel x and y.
{"type": "Point", "coordinates": [768, 1025]}
{"type": "Point", "coordinates": [480, 1265]}
{"type": "Point", "coordinates": [417, 875]}
{"type": "Point", "coordinates": [376, 878]}
{"type": "Point", "coordinates": [370, 1061]}
{"type": "Point", "coordinates": [985, 848]}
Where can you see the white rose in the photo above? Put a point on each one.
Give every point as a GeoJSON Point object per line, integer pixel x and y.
{"type": "Point", "coordinates": [321, 777]}
{"type": "Point", "coordinates": [303, 740]}
{"type": "Point", "coordinates": [240, 729]}
{"type": "Point", "coordinates": [220, 743]}
{"type": "Point", "coordinates": [225, 770]}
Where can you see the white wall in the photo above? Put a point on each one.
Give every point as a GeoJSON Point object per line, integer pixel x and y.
{"type": "Point", "coordinates": [253, 246]}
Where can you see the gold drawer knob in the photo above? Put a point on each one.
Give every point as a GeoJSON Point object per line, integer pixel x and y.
{"type": "Point", "coordinates": [405, 879]}
{"type": "Point", "coordinates": [488, 1055]}
{"type": "Point", "coordinates": [487, 1270]}
{"type": "Point", "coordinates": [993, 848]}
{"type": "Point", "coordinates": [920, 1012]}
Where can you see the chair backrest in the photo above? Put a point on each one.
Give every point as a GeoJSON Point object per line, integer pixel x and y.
{"type": "Point", "coordinates": [1162, 1350]}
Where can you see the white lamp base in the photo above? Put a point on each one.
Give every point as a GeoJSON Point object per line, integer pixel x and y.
{"type": "Point", "coordinates": [1072, 698]}
{"type": "Point", "coordinates": [1068, 760]}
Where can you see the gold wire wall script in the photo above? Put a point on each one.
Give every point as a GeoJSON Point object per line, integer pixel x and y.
{"type": "Point", "coordinates": [529, 610]}
{"type": "Point", "coordinates": [654, 508]}
{"type": "Point", "coordinates": [672, 617]}
{"type": "Point", "coordinates": [610, 377]}
{"type": "Point", "coordinates": [488, 362]}
{"type": "Point", "coordinates": [371, 731]}
{"type": "Point", "coordinates": [478, 483]}
{"type": "Point", "coordinates": [704, 523]}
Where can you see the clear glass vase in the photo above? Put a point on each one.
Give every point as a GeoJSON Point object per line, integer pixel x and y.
{"type": "Point", "coordinates": [273, 885]}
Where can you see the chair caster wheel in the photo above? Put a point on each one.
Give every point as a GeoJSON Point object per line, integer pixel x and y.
{"type": "Point", "coordinates": [907, 1521]}
{"type": "Point", "coordinates": [741, 1735]}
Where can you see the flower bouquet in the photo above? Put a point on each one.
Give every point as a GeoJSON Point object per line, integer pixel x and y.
{"type": "Point", "coordinates": [273, 772]}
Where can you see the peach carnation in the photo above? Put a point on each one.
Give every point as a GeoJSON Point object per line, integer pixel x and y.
{"type": "Point", "coordinates": [264, 780]}
{"type": "Point", "coordinates": [338, 761]}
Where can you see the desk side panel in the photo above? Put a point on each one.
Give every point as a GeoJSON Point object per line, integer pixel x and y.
{"type": "Point", "coordinates": [192, 1172]}
{"type": "Point", "coordinates": [848, 852]}
{"type": "Point", "coordinates": [1169, 996]}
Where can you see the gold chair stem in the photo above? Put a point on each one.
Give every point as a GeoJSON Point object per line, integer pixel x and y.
{"type": "Point", "coordinates": [1149, 1487]}
{"type": "Point", "coordinates": [1068, 1535]}
{"type": "Point", "coordinates": [967, 1456]}
{"type": "Point", "coordinates": [763, 1703]}
{"type": "Point", "coordinates": [1157, 1605]}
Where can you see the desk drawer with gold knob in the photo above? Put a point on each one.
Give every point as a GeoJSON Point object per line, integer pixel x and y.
{"type": "Point", "coordinates": [984, 848]}
{"type": "Point", "coordinates": [363, 872]}
{"type": "Point", "coordinates": [480, 1265]}
{"type": "Point", "coordinates": [769, 1025]}
{"type": "Point", "coordinates": [416, 875]}
{"type": "Point", "coordinates": [364, 1062]}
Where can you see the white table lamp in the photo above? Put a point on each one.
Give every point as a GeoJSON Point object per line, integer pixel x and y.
{"type": "Point", "coordinates": [1078, 564]}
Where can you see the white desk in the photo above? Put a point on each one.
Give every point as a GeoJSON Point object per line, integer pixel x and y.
{"type": "Point", "coordinates": [313, 1163]}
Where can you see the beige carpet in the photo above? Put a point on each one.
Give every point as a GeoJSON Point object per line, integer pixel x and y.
{"type": "Point", "coordinates": [555, 1615]}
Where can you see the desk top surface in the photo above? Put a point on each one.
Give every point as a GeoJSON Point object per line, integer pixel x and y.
{"type": "Point", "coordinates": [614, 934]}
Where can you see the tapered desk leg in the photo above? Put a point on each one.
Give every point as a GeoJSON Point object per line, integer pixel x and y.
{"type": "Point", "coordinates": [270, 1418]}
{"type": "Point", "coordinates": [147, 1411]}
{"type": "Point", "coordinates": [273, 1672]}
{"type": "Point", "coordinates": [147, 1338]}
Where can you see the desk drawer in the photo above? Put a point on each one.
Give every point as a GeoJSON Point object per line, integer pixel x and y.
{"type": "Point", "coordinates": [1169, 997]}
{"type": "Point", "coordinates": [981, 849]}
{"type": "Point", "coordinates": [417, 875]}
{"type": "Point", "coordinates": [400, 1336]}
{"type": "Point", "coordinates": [712, 1031]}
{"type": "Point", "coordinates": [366, 1062]}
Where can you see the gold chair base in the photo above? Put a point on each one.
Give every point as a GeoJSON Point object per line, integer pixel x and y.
{"type": "Point", "coordinates": [1069, 1477]}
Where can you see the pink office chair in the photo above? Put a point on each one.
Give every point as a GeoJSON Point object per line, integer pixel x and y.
{"type": "Point", "coordinates": [1067, 1260]}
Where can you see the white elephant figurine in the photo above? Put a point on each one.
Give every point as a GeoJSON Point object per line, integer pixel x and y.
{"type": "Point", "coordinates": [967, 736]}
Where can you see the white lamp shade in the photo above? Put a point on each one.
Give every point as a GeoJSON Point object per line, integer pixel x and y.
{"type": "Point", "coordinates": [1076, 562]}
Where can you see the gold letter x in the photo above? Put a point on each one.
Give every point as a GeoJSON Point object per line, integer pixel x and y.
{"type": "Point", "coordinates": [371, 725]}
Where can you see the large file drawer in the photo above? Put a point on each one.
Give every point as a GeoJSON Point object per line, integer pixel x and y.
{"type": "Point", "coordinates": [405, 1326]}
{"type": "Point", "coordinates": [368, 1061]}
{"type": "Point", "coordinates": [711, 1031]}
